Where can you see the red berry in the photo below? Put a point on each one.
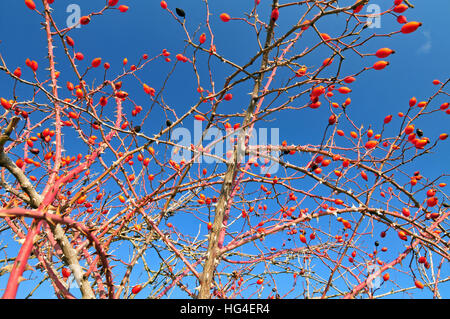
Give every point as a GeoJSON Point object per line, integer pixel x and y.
{"type": "Point", "coordinates": [33, 65]}
{"type": "Point", "coordinates": [431, 192]}
{"type": "Point", "coordinates": [136, 289]}
{"type": "Point", "coordinates": [70, 41]}
{"type": "Point", "coordinates": [121, 94]}
{"type": "Point", "coordinates": [358, 9]}
{"type": "Point", "coordinates": [418, 284]}
{"type": "Point", "coordinates": [73, 115]}
{"type": "Point", "coordinates": [402, 235]}
{"type": "Point", "coordinates": [225, 17]}
{"type": "Point", "coordinates": [181, 57]}
{"type": "Point", "coordinates": [402, 19]}
{"type": "Point", "coordinates": [387, 119]}
{"type": "Point", "coordinates": [5, 103]}
{"type": "Point", "coordinates": [18, 72]}
{"type": "Point", "coordinates": [149, 90]}
{"type": "Point", "coordinates": [85, 20]}
{"type": "Point", "coordinates": [275, 14]}
{"type": "Point", "coordinates": [410, 27]}
{"type": "Point", "coordinates": [400, 8]}
{"type": "Point", "coordinates": [318, 91]}
{"type": "Point", "coordinates": [30, 4]}
{"type": "Point", "coordinates": [199, 117]}
{"type": "Point", "coordinates": [384, 53]}
{"type": "Point", "coordinates": [406, 212]}
{"type": "Point", "coordinates": [96, 62]}
{"type": "Point", "coordinates": [228, 97]}
{"type": "Point", "coordinates": [409, 129]}
{"type": "Point", "coordinates": [344, 90]}
{"type": "Point", "coordinates": [302, 238]}
{"type": "Point", "coordinates": [327, 62]}
{"type": "Point", "coordinates": [19, 163]}
{"type": "Point", "coordinates": [305, 25]}
{"type": "Point", "coordinates": [123, 8]}
{"type": "Point", "coordinates": [432, 201]}
{"type": "Point", "coordinates": [79, 56]}
{"type": "Point", "coordinates": [332, 119]}
{"type": "Point", "coordinates": [349, 79]}
{"type": "Point", "coordinates": [380, 65]}
{"type": "Point", "coordinates": [202, 38]}
{"type": "Point", "coordinates": [65, 272]}
{"type": "Point", "coordinates": [79, 93]}
{"type": "Point", "coordinates": [371, 144]}
{"type": "Point", "coordinates": [364, 175]}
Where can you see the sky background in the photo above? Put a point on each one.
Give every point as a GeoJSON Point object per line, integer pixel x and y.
{"type": "Point", "coordinates": [420, 58]}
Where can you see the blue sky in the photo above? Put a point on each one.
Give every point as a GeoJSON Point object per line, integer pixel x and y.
{"type": "Point", "coordinates": [420, 58]}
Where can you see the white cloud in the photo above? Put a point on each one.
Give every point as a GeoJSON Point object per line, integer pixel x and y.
{"type": "Point", "coordinates": [426, 46]}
